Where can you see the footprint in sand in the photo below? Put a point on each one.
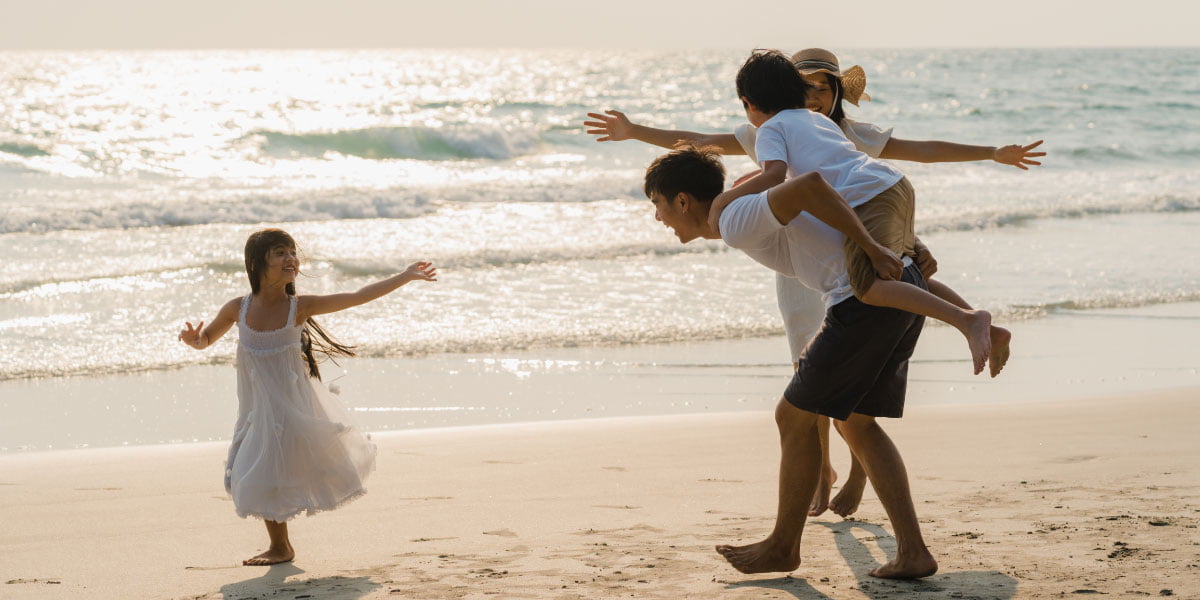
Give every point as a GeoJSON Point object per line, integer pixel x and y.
{"type": "Point", "coordinates": [501, 533]}
{"type": "Point", "coordinates": [613, 468]}
{"type": "Point", "coordinates": [51, 581]}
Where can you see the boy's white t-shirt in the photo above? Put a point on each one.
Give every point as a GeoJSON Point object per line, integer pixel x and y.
{"type": "Point", "coordinates": [810, 142]}
{"type": "Point", "coordinates": [868, 138]}
{"type": "Point", "coordinates": [806, 248]}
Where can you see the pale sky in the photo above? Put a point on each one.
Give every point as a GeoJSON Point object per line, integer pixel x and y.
{"type": "Point", "coordinates": [74, 24]}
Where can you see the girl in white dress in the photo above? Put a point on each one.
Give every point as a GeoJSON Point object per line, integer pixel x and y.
{"type": "Point", "coordinates": [295, 449]}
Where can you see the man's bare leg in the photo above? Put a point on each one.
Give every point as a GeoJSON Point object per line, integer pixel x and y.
{"type": "Point", "coordinates": [820, 501]}
{"type": "Point", "coordinates": [799, 469]}
{"type": "Point", "coordinates": [281, 548]}
{"type": "Point", "coordinates": [885, 469]}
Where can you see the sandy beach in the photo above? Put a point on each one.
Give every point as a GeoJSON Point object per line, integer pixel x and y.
{"type": "Point", "coordinates": [1042, 486]}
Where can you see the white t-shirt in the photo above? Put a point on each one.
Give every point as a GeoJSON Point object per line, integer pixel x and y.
{"type": "Point", "coordinates": [810, 142]}
{"type": "Point", "coordinates": [867, 138]}
{"type": "Point", "coordinates": [805, 248]}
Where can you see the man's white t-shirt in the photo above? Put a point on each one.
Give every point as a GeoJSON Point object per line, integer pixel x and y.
{"type": "Point", "coordinates": [805, 248]}
{"type": "Point", "coordinates": [810, 142]}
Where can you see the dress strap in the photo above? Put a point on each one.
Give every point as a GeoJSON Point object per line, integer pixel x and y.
{"type": "Point", "coordinates": [245, 305]}
{"type": "Point", "coordinates": [292, 313]}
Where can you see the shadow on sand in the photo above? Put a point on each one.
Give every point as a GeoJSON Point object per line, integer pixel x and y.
{"type": "Point", "coordinates": [984, 585]}
{"type": "Point", "coordinates": [275, 582]}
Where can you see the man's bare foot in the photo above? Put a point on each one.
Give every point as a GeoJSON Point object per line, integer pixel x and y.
{"type": "Point", "coordinates": [820, 501]}
{"type": "Point", "coordinates": [845, 503]}
{"type": "Point", "coordinates": [979, 339]}
{"type": "Point", "coordinates": [907, 568]}
{"type": "Point", "coordinates": [1000, 340]}
{"type": "Point", "coordinates": [272, 556]}
{"type": "Point", "coordinates": [763, 557]}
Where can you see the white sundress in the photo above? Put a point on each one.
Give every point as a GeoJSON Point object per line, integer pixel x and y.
{"type": "Point", "coordinates": [295, 449]}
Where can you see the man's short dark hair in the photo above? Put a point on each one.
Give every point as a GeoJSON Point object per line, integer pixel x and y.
{"type": "Point", "coordinates": [770, 82]}
{"type": "Point", "coordinates": [696, 171]}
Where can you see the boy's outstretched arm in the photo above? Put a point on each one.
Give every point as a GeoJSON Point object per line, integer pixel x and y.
{"type": "Point", "coordinates": [614, 126]}
{"type": "Point", "coordinates": [812, 194]}
{"type": "Point", "coordinates": [200, 337]}
{"type": "Point", "coordinates": [936, 151]}
{"type": "Point", "coordinates": [309, 306]}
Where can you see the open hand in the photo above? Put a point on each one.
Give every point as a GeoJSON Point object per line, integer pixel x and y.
{"type": "Point", "coordinates": [886, 264]}
{"type": "Point", "coordinates": [420, 271]}
{"type": "Point", "coordinates": [614, 126]}
{"type": "Point", "coordinates": [191, 336]}
{"type": "Point", "coordinates": [1018, 155]}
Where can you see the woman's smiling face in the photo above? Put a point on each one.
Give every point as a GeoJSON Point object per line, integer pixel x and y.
{"type": "Point", "coordinates": [820, 97]}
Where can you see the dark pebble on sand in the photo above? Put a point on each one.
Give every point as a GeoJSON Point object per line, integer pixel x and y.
{"type": "Point", "coordinates": [1166, 593]}
{"type": "Point", "coordinates": [1087, 591]}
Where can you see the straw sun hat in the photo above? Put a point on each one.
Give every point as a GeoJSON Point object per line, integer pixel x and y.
{"type": "Point", "coordinates": [819, 60]}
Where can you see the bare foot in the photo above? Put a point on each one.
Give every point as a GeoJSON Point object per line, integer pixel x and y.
{"type": "Point", "coordinates": [763, 557]}
{"type": "Point", "coordinates": [1000, 339]}
{"type": "Point", "coordinates": [272, 556]}
{"type": "Point", "coordinates": [820, 500]}
{"type": "Point", "coordinates": [914, 567]}
{"type": "Point", "coordinates": [979, 339]}
{"type": "Point", "coordinates": [845, 503]}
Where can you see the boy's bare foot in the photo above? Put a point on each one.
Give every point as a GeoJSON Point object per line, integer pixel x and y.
{"type": "Point", "coordinates": [764, 557]}
{"type": "Point", "coordinates": [979, 338]}
{"type": "Point", "coordinates": [1000, 339]}
{"type": "Point", "coordinates": [845, 503]}
{"type": "Point", "coordinates": [914, 567]}
{"type": "Point", "coordinates": [272, 556]}
{"type": "Point", "coordinates": [820, 501]}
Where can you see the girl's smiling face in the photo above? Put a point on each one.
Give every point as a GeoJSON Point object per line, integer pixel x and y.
{"type": "Point", "coordinates": [283, 263]}
{"type": "Point", "coordinates": [820, 97]}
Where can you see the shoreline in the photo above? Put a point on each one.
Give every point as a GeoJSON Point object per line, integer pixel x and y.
{"type": "Point", "coordinates": [1065, 355]}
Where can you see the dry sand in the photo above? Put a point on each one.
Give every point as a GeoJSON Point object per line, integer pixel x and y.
{"type": "Point", "coordinates": [1018, 500]}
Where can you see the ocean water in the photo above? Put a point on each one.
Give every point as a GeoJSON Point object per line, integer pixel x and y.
{"type": "Point", "coordinates": [130, 180]}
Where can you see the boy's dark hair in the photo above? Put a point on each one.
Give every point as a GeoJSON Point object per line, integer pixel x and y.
{"type": "Point", "coordinates": [696, 171]}
{"type": "Point", "coordinates": [770, 82]}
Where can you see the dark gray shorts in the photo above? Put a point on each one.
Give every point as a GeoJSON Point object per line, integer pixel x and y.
{"type": "Point", "coordinates": [858, 360]}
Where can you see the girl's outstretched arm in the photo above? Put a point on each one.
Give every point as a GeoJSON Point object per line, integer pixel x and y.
{"type": "Point", "coordinates": [614, 126]}
{"type": "Point", "coordinates": [936, 151]}
{"type": "Point", "coordinates": [309, 306]}
{"type": "Point", "coordinates": [200, 337]}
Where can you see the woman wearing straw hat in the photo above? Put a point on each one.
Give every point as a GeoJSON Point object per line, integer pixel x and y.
{"type": "Point", "coordinates": [801, 307]}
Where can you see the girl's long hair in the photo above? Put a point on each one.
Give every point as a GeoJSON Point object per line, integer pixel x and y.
{"type": "Point", "coordinates": [313, 338]}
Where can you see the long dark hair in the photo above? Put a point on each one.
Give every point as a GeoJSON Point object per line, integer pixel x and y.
{"type": "Point", "coordinates": [835, 84]}
{"type": "Point", "coordinates": [313, 337]}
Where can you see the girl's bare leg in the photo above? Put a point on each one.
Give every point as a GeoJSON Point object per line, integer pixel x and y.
{"type": "Point", "coordinates": [281, 548]}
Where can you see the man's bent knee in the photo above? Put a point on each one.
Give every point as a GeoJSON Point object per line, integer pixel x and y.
{"type": "Point", "coordinates": [788, 416]}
